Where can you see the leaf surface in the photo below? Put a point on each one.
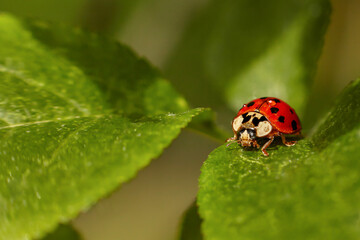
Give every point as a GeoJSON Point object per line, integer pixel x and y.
{"type": "Point", "coordinates": [308, 191]}
{"type": "Point", "coordinates": [54, 169]}
{"type": "Point", "coordinates": [79, 115]}
{"type": "Point", "coordinates": [129, 83]}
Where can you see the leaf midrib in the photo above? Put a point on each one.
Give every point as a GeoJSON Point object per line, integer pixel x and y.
{"type": "Point", "coordinates": [50, 121]}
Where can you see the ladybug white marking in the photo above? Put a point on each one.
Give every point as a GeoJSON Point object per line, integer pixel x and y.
{"type": "Point", "coordinates": [263, 129]}
{"type": "Point", "coordinates": [237, 123]}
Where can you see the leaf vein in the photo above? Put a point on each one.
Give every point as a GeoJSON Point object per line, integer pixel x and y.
{"type": "Point", "coordinates": [33, 83]}
{"type": "Point", "coordinates": [67, 139]}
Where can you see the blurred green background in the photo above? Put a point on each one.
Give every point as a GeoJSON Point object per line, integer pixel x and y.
{"type": "Point", "coordinates": [150, 206]}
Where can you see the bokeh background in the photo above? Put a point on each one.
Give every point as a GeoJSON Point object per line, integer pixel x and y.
{"type": "Point", "coordinates": [150, 206]}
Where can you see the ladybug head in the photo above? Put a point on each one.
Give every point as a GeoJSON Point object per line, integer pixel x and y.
{"type": "Point", "coordinates": [247, 136]}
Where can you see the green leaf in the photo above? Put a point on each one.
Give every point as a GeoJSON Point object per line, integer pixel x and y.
{"type": "Point", "coordinates": [299, 192]}
{"type": "Point", "coordinates": [54, 169]}
{"type": "Point", "coordinates": [128, 83]}
{"type": "Point", "coordinates": [234, 51]}
{"type": "Point", "coordinates": [79, 115]}
{"type": "Point", "coordinates": [63, 232]}
{"type": "Point", "coordinates": [343, 118]}
{"type": "Point", "coordinates": [190, 225]}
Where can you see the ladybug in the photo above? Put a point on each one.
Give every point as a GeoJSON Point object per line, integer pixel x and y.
{"type": "Point", "coordinates": [265, 117]}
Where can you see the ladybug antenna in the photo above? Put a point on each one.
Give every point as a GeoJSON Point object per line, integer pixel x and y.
{"type": "Point", "coordinates": [230, 142]}
{"type": "Point", "coordinates": [233, 141]}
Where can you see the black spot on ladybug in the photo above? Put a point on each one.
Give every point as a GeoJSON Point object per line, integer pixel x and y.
{"type": "Point", "coordinates": [244, 115]}
{"type": "Point", "coordinates": [294, 125]}
{"type": "Point", "coordinates": [250, 104]}
{"type": "Point", "coordinates": [276, 100]}
{"type": "Point", "coordinates": [281, 119]}
{"type": "Point", "coordinates": [246, 119]}
{"type": "Point", "coordinates": [263, 118]}
{"type": "Point", "coordinates": [274, 110]}
{"type": "Point", "coordinates": [292, 112]}
{"type": "Point", "coordinates": [263, 97]}
{"type": "Point", "coordinates": [255, 121]}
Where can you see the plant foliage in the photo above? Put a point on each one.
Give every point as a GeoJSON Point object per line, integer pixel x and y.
{"type": "Point", "coordinates": [79, 115]}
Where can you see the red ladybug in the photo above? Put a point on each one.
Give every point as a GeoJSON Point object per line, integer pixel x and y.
{"type": "Point", "coordinates": [265, 117]}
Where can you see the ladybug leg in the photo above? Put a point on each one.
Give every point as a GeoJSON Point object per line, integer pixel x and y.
{"type": "Point", "coordinates": [299, 134]}
{"type": "Point", "coordinates": [255, 144]}
{"type": "Point", "coordinates": [290, 143]}
{"type": "Point", "coordinates": [267, 144]}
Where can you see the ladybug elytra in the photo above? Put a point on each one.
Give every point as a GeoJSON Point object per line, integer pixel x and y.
{"type": "Point", "coordinates": [265, 117]}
